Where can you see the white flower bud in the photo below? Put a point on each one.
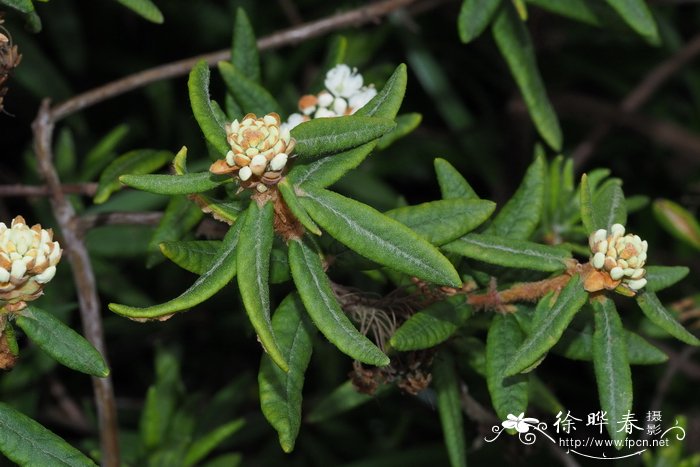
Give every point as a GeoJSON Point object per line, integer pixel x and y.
{"type": "Point", "coordinates": [325, 99]}
{"type": "Point", "coordinates": [278, 162]}
{"type": "Point", "coordinates": [342, 81]}
{"type": "Point", "coordinates": [245, 173]}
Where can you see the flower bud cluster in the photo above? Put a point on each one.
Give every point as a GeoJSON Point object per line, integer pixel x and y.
{"type": "Point", "coordinates": [259, 151]}
{"type": "Point", "coordinates": [344, 95]}
{"type": "Point", "coordinates": [620, 257]}
{"type": "Point", "coordinates": [28, 258]}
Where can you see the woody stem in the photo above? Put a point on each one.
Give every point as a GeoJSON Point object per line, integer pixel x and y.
{"type": "Point", "coordinates": [521, 292]}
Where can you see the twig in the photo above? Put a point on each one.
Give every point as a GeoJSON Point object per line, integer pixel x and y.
{"type": "Point", "coordinates": [84, 277]}
{"type": "Point", "coordinates": [6, 191]}
{"type": "Point", "coordinates": [118, 218]}
{"type": "Point", "coordinates": [291, 11]}
{"type": "Point", "coordinates": [638, 97]}
{"type": "Point", "coordinates": [356, 17]}
{"type": "Point", "coordinates": [69, 412]}
{"type": "Point", "coordinates": [678, 138]}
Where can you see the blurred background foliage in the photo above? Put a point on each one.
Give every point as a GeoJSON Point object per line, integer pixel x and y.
{"type": "Point", "coordinates": [473, 116]}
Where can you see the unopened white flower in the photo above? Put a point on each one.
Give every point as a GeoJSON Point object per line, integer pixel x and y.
{"type": "Point", "coordinates": [343, 81]}
{"type": "Point", "coordinates": [361, 98]}
{"type": "Point", "coordinates": [28, 258]}
{"type": "Point", "coordinates": [324, 113]}
{"type": "Point", "coordinates": [619, 258]}
{"type": "Point", "coordinates": [255, 142]}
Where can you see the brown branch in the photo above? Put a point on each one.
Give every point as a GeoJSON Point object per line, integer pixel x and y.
{"type": "Point", "coordinates": [84, 277]}
{"type": "Point", "coordinates": [522, 292]}
{"type": "Point", "coordinates": [18, 190]}
{"type": "Point", "coordinates": [638, 97]}
{"type": "Point", "coordinates": [669, 134]}
{"type": "Point", "coordinates": [356, 17]}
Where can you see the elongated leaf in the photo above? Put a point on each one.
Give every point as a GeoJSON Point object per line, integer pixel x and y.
{"type": "Point", "coordinates": [323, 136]}
{"type": "Point", "coordinates": [139, 161]}
{"type": "Point", "coordinates": [180, 216]}
{"type": "Point", "coordinates": [335, 55]}
{"type": "Point", "coordinates": [251, 96]}
{"type": "Point", "coordinates": [509, 394]}
{"type": "Point", "coordinates": [637, 15]}
{"type": "Point", "coordinates": [659, 315]}
{"type": "Point", "coordinates": [244, 49]}
{"type": "Point", "coordinates": [292, 202]}
{"type": "Point", "coordinates": [224, 211]}
{"type": "Point", "coordinates": [378, 237]}
{"type": "Point", "coordinates": [144, 8]}
{"type": "Point", "coordinates": [450, 409]}
{"type": "Point", "coordinates": [474, 17]}
{"type": "Point", "coordinates": [61, 342]}
{"type": "Point", "coordinates": [214, 279]}
{"type": "Point", "coordinates": [452, 184]}
{"type": "Point", "coordinates": [175, 184]}
{"type": "Point", "coordinates": [253, 264]}
{"type": "Point", "coordinates": [443, 221]}
{"type": "Point", "coordinates": [431, 326]}
{"type": "Point", "coordinates": [161, 400]}
{"type": "Point", "coordinates": [510, 253]}
{"type": "Point", "coordinates": [103, 152]}
{"type": "Point", "coordinates": [387, 102]}
{"type": "Point", "coordinates": [612, 370]}
{"type": "Point", "coordinates": [195, 256]}
{"type": "Point", "coordinates": [662, 277]}
{"type": "Point", "coordinates": [280, 392]}
{"type": "Point", "coordinates": [586, 201]}
{"type": "Point", "coordinates": [26, 442]}
{"type": "Point", "coordinates": [678, 221]}
{"type": "Point", "coordinates": [579, 10]}
{"type": "Point", "coordinates": [201, 447]}
{"type": "Point", "coordinates": [342, 399]}
{"type": "Point", "coordinates": [514, 42]}
{"type": "Point", "coordinates": [405, 124]}
{"type": "Point", "coordinates": [328, 170]}
{"type": "Point", "coordinates": [519, 217]}
{"type": "Point", "coordinates": [548, 326]}
{"type": "Point", "coordinates": [321, 304]}
{"type": "Point", "coordinates": [609, 206]}
{"type": "Point", "coordinates": [23, 6]}
{"type": "Point", "coordinates": [198, 86]}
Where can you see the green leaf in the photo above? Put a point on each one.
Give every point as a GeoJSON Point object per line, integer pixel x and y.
{"type": "Point", "coordinates": [443, 221]}
{"type": "Point", "coordinates": [509, 394]}
{"type": "Point", "coordinates": [280, 392]}
{"type": "Point", "coordinates": [26, 442]}
{"type": "Point", "coordinates": [321, 304]}
{"type": "Point", "coordinates": [144, 8]}
{"type": "Point", "coordinates": [452, 184]}
{"type": "Point", "coordinates": [474, 17]}
{"type": "Point", "coordinates": [586, 201]}
{"type": "Point", "coordinates": [252, 97]}
{"type": "Point", "coordinates": [222, 270]}
{"type": "Point", "coordinates": [195, 256]}
{"type": "Point", "coordinates": [612, 370]}
{"type": "Point", "coordinates": [662, 277]}
{"type": "Point", "coordinates": [180, 216]}
{"type": "Point", "coordinates": [64, 154]}
{"type": "Point", "coordinates": [244, 49]}
{"type": "Point", "coordinates": [377, 237]}
{"type": "Point", "coordinates": [405, 124]}
{"type": "Point", "coordinates": [548, 325]}
{"type": "Point", "coordinates": [678, 221]}
{"type": "Point", "coordinates": [328, 170]}
{"type": "Point", "coordinates": [198, 86]}
{"type": "Point", "coordinates": [23, 6]}
{"type": "Point", "coordinates": [514, 42]}
{"type": "Point", "coordinates": [139, 161]}
{"type": "Point", "coordinates": [175, 184]}
{"type": "Point", "coordinates": [432, 325]}
{"type": "Point", "coordinates": [387, 102]}
{"type": "Point", "coordinates": [335, 55]}
{"type": "Point", "coordinates": [203, 446]}
{"type": "Point", "coordinates": [579, 10]}
{"type": "Point", "coordinates": [324, 136]}
{"type": "Point", "coordinates": [292, 202]}
{"type": "Point", "coordinates": [253, 264]}
{"type": "Point", "coordinates": [519, 217]}
{"type": "Point", "coordinates": [637, 15]}
{"type": "Point", "coordinates": [103, 152]}
{"type": "Point", "coordinates": [609, 206]}
{"type": "Point", "coordinates": [510, 253]}
{"type": "Point", "coordinates": [162, 398]}
{"type": "Point", "coordinates": [224, 211]}
{"type": "Point", "coordinates": [450, 409]}
{"type": "Point", "coordinates": [61, 342]}
{"type": "Point", "coordinates": [342, 399]}
{"type": "Point", "coordinates": [659, 315]}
